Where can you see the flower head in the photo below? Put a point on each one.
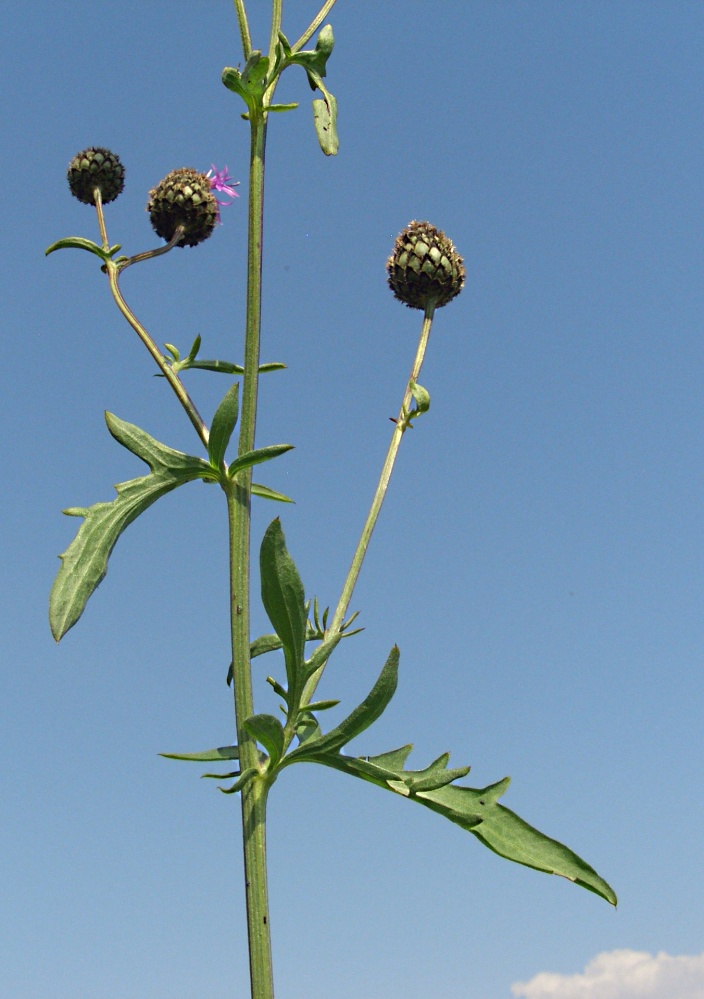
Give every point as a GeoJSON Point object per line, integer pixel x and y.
{"type": "Point", "coordinates": [425, 267]}
{"type": "Point", "coordinates": [183, 198]}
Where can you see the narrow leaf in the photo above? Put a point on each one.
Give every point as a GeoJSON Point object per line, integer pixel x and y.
{"type": "Point", "coordinates": [84, 563]}
{"type": "Point", "coordinates": [244, 779]}
{"type": "Point", "coordinates": [361, 718]}
{"type": "Point", "coordinates": [80, 243]}
{"type": "Point", "coordinates": [323, 653]}
{"type": "Point", "coordinates": [224, 367]}
{"type": "Point", "coordinates": [284, 602]}
{"type": "Point", "coordinates": [257, 457]}
{"type": "Point", "coordinates": [208, 756]}
{"type": "Point", "coordinates": [271, 494]}
{"type": "Point", "coordinates": [223, 424]}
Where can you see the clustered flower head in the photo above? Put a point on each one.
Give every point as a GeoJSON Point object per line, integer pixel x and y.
{"type": "Point", "coordinates": [93, 168]}
{"type": "Point", "coordinates": [425, 267]}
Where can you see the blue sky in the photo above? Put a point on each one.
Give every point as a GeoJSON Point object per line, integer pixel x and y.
{"type": "Point", "coordinates": [539, 557]}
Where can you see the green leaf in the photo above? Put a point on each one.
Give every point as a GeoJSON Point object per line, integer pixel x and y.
{"type": "Point", "coordinates": [244, 779]}
{"type": "Point", "coordinates": [284, 601]}
{"type": "Point", "coordinates": [208, 756]}
{"type": "Point", "coordinates": [271, 494]}
{"type": "Point", "coordinates": [475, 810]}
{"type": "Point", "coordinates": [373, 705]}
{"type": "Point", "coordinates": [254, 73]}
{"type": "Point", "coordinates": [307, 730]}
{"type": "Point", "coordinates": [265, 643]}
{"type": "Point", "coordinates": [321, 705]}
{"type": "Point", "coordinates": [232, 79]}
{"type": "Point", "coordinates": [84, 563]}
{"type": "Point", "coordinates": [79, 243]}
{"type": "Point", "coordinates": [314, 61]}
{"type": "Point", "coordinates": [285, 44]}
{"type": "Point", "coordinates": [421, 397]}
{"type": "Point", "coordinates": [267, 730]}
{"type": "Point", "coordinates": [257, 457]}
{"type": "Point", "coordinates": [224, 367]}
{"type": "Point", "coordinates": [325, 121]}
{"type": "Point", "coordinates": [223, 424]}
{"type": "Point", "coordinates": [323, 653]}
{"type": "Point", "coordinates": [281, 107]}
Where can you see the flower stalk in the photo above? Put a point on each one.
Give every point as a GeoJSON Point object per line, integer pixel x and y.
{"type": "Point", "coordinates": [401, 425]}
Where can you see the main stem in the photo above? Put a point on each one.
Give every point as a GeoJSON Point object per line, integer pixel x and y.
{"type": "Point", "coordinates": [254, 794]}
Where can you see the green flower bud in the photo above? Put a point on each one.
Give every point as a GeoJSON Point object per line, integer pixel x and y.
{"type": "Point", "coordinates": [425, 267]}
{"type": "Point", "coordinates": [96, 167]}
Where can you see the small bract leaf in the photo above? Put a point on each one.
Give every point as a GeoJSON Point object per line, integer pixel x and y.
{"type": "Point", "coordinates": [267, 730]}
{"type": "Point", "coordinates": [421, 397]}
{"type": "Point", "coordinates": [244, 779]}
{"type": "Point", "coordinates": [223, 424]}
{"type": "Point", "coordinates": [271, 494]}
{"type": "Point", "coordinates": [207, 756]}
{"type": "Point", "coordinates": [256, 457]}
{"type": "Point", "coordinates": [223, 367]}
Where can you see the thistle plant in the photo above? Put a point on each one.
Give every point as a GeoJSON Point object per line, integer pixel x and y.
{"type": "Point", "coordinates": [425, 272]}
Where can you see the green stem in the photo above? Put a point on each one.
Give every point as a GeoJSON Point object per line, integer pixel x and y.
{"type": "Point", "coordinates": [314, 25]}
{"type": "Point", "coordinates": [276, 12]}
{"type": "Point", "coordinates": [244, 28]}
{"type": "Point", "coordinates": [98, 201]}
{"type": "Point", "coordinates": [402, 424]}
{"type": "Point", "coordinates": [254, 794]}
{"type": "Point", "coordinates": [113, 271]}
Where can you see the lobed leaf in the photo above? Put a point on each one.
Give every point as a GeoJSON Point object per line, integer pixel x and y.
{"type": "Point", "coordinates": [474, 809]}
{"type": "Point", "coordinates": [84, 563]}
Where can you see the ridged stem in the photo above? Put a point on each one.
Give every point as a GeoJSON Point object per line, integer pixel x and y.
{"type": "Point", "coordinates": [254, 794]}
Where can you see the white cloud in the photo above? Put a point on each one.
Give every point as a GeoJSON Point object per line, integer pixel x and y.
{"type": "Point", "coordinates": [622, 974]}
